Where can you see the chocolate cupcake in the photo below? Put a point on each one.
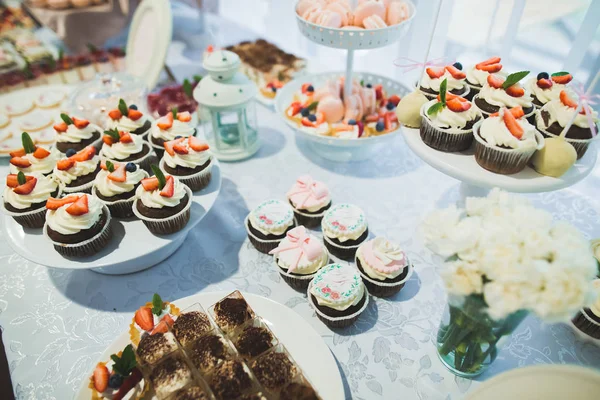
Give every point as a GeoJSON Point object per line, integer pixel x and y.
{"type": "Point", "coordinates": [115, 186]}
{"type": "Point", "coordinates": [171, 375]}
{"type": "Point", "coordinates": [274, 369]}
{"type": "Point", "coordinates": [163, 203]}
{"type": "Point", "coordinates": [232, 312]}
{"type": "Point", "coordinates": [123, 147]}
{"type": "Point", "coordinates": [545, 87]}
{"type": "Point", "coordinates": [32, 159]}
{"type": "Point", "coordinates": [172, 126]}
{"type": "Point", "coordinates": [344, 228]}
{"type": "Point", "coordinates": [76, 134]}
{"type": "Point", "coordinates": [338, 295]}
{"type": "Point", "coordinates": [383, 266]}
{"type": "Point", "coordinates": [230, 380]}
{"type": "Point", "coordinates": [129, 119]}
{"type": "Point", "coordinates": [190, 160]}
{"type": "Point", "coordinates": [477, 75]}
{"type": "Point", "coordinates": [499, 92]}
{"type": "Point", "coordinates": [505, 143]}
{"type": "Point", "coordinates": [153, 348]}
{"type": "Point", "coordinates": [588, 319]}
{"type": "Point", "coordinates": [77, 171]}
{"type": "Point", "coordinates": [310, 199]}
{"type": "Point", "coordinates": [25, 196]}
{"type": "Point", "coordinates": [190, 326]}
{"type": "Point", "coordinates": [555, 115]}
{"type": "Point", "coordinates": [434, 76]}
{"type": "Point", "coordinates": [254, 339]}
{"type": "Point", "coordinates": [209, 352]}
{"type": "Point", "coordinates": [78, 225]}
{"type": "Point", "coordinates": [192, 393]}
{"type": "Point", "coordinates": [268, 223]}
{"type": "Point", "coordinates": [299, 256]}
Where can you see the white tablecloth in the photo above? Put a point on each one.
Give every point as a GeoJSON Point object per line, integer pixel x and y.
{"type": "Point", "coordinates": [57, 322]}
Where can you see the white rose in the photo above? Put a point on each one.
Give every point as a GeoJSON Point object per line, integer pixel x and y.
{"type": "Point", "coordinates": [501, 261]}
{"type": "Point", "coordinates": [562, 296]}
{"type": "Point", "coordinates": [461, 278]}
{"type": "Point", "coordinates": [504, 299]}
{"type": "Point", "coordinates": [536, 243]}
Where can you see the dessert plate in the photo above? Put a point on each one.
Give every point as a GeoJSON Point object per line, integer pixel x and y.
{"type": "Point", "coordinates": [333, 148]}
{"type": "Point", "coordinates": [463, 167]}
{"type": "Point", "coordinates": [132, 247]}
{"type": "Point", "coordinates": [303, 343]}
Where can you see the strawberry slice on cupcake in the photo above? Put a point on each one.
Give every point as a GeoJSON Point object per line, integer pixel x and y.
{"type": "Point", "coordinates": [167, 128]}
{"type": "Point", "coordinates": [190, 160]}
{"type": "Point", "coordinates": [77, 170]}
{"type": "Point", "coordinates": [546, 87]}
{"type": "Point", "coordinates": [121, 146]}
{"type": "Point", "coordinates": [31, 158]}
{"type": "Point", "coordinates": [76, 133]}
{"type": "Point", "coordinates": [129, 118]}
{"type": "Point", "coordinates": [504, 92]}
{"type": "Point", "coordinates": [453, 75]}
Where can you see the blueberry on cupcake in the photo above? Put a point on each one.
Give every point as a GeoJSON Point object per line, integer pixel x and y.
{"type": "Point", "coordinates": [115, 186]}
{"type": "Point", "coordinates": [129, 119]}
{"type": "Point", "coordinates": [344, 229]}
{"type": "Point", "coordinates": [310, 199]}
{"type": "Point", "coordinates": [124, 147]}
{"type": "Point", "coordinates": [588, 319]}
{"type": "Point", "coordinates": [545, 87]}
{"type": "Point", "coordinates": [77, 171]}
{"type": "Point", "coordinates": [190, 160]}
{"type": "Point", "coordinates": [268, 223]}
{"type": "Point", "coordinates": [25, 196]}
{"type": "Point", "coordinates": [169, 127]}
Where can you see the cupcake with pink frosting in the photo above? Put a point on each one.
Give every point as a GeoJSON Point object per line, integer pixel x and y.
{"type": "Point", "coordinates": [309, 199]}
{"type": "Point", "coordinates": [383, 266]}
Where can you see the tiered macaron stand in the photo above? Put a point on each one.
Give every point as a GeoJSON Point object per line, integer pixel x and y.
{"type": "Point", "coordinates": [338, 149]}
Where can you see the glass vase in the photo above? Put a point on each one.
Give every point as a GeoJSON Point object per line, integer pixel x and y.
{"type": "Point", "coordinates": [468, 338]}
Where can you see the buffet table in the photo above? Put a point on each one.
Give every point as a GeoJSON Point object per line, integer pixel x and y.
{"type": "Point", "coordinates": [57, 322]}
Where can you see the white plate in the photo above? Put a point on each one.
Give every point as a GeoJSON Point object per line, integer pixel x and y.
{"type": "Point", "coordinates": [44, 136]}
{"type": "Point", "coordinates": [304, 344]}
{"type": "Point", "coordinates": [463, 166]}
{"type": "Point", "coordinates": [132, 248]}
{"type": "Point", "coordinates": [333, 148]}
{"type": "Point", "coordinates": [547, 382]}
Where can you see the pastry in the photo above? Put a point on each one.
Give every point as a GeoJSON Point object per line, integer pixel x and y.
{"type": "Point", "coordinates": [173, 125]}
{"type": "Point", "coordinates": [129, 119]}
{"type": "Point", "coordinates": [383, 266]}
{"type": "Point", "coordinates": [189, 326]}
{"type": "Point", "coordinates": [191, 393]}
{"type": "Point", "coordinates": [344, 228]}
{"type": "Point", "coordinates": [447, 122]}
{"type": "Point", "coordinates": [152, 318]}
{"type": "Point", "coordinates": [24, 198]}
{"type": "Point", "coordinates": [209, 351]}
{"type": "Point", "coordinates": [50, 99]}
{"type": "Point", "coordinates": [499, 92]}
{"type": "Point", "coordinates": [153, 348]}
{"type": "Point", "coordinates": [77, 171]}
{"type": "Point", "coordinates": [554, 116]}
{"type": "Point", "coordinates": [268, 223]}
{"type": "Point", "coordinates": [310, 199]}
{"type": "Point", "coordinates": [59, 4]}
{"type": "Point", "coordinates": [116, 184]}
{"type": "Point", "coordinates": [408, 111]}
{"type": "Point", "coordinates": [123, 147]}
{"type": "Point", "coordinates": [32, 159]}
{"type": "Point", "coordinates": [299, 391]}
{"type": "Point", "coordinates": [588, 319]}
{"type": "Point", "coordinates": [299, 256]}
{"type": "Point", "coordinates": [555, 158]}
{"type": "Point", "coordinates": [4, 120]}
{"type": "Point", "coordinates": [117, 58]}
{"type": "Point", "coordinates": [230, 379]}
{"type": "Point", "coordinates": [118, 378]}
{"type": "Point", "coordinates": [434, 76]}
{"type": "Point", "coordinates": [78, 225]}
{"type": "Point", "coordinates": [338, 295]}
{"type": "Point", "coordinates": [374, 22]}
{"type": "Point", "coordinates": [35, 121]}
{"type": "Point", "coordinates": [477, 75]}
{"type": "Point", "coordinates": [397, 11]}
{"type": "Point", "coordinates": [68, 68]}
{"type": "Point", "coordinates": [76, 134]}
{"type": "Point", "coordinates": [274, 370]}
{"type": "Point", "coordinates": [368, 9]}
{"type": "Point", "coordinates": [17, 108]}
{"type": "Point", "coordinates": [253, 340]}
{"type": "Point", "coordinates": [81, 3]}
{"type": "Point", "coordinates": [545, 88]}
{"type": "Point", "coordinates": [232, 312]}
{"type": "Point", "coordinates": [190, 160]}
{"type": "Point", "coordinates": [171, 375]}
{"type": "Point", "coordinates": [163, 203]}
{"type": "Point", "coordinates": [102, 63]}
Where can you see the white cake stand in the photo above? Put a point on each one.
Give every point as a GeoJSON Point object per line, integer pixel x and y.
{"type": "Point", "coordinates": [477, 181]}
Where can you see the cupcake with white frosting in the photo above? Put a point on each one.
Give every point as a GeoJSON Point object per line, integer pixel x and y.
{"type": "Point", "coordinates": [588, 319]}
{"type": "Point", "coordinates": [299, 256]}
{"type": "Point", "coordinates": [172, 126]}
{"type": "Point", "coordinates": [504, 143]}
{"type": "Point", "coordinates": [123, 147]}
{"type": "Point", "coordinates": [545, 87]}
{"type": "Point", "coordinates": [78, 225]}
{"type": "Point", "coordinates": [25, 196]}
{"type": "Point", "coordinates": [163, 203]}
{"type": "Point", "coordinates": [338, 295]}
{"type": "Point", "coordinates": [310, 200]}
{"type": "Point", "coordinates": [500, 92]}
{"type": "Point", "coordinates": [32, 159]}
{"type": "Point", "coordinates": [115, 186]}
{"type": "Point", "coordinates": [190, 160]}
{"type": "Point", "coordinates": [433, 77]}
{"type": "Point", "coordinates": [76, 134]}
{"type": "Point", "coordinates": [268, 224]}
{"type": "Point", "coordinates": [344, 228]}
{"type": "Point", "coordinates": [383, 266]}
{"type": "Point", "coordinates": [477, 75]}
{"type": "Point", "coordinates": [129, 119]}
{"type": "Point", "coordinates": [76, 172]}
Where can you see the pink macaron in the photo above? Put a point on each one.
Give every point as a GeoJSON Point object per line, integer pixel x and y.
{"type": "Point", "coordinates": [374, 22]}
{"type": "Point", "coordinates": [369, 100]}
{"type": "Point", "coordinates": [313, 13]}
{"type": "Point", "coordinates": [385, 2]}
{"type": "Point", "coordinates": [304, 5]}
{"type": "Point", "coordinates": [332, 107]}
{"type": "Point", "coordinates": [354, 108]}
{"type": "Point", "coordinates": [330, 19]}
{"type": "Point", "coordinates": [368, 9]}
{"type": "Point", "coordinates": [397, 12]}
{"type": "Point", "coordinates": [344, 12]}
{"type": "Point", "coordinates": [330, 88]}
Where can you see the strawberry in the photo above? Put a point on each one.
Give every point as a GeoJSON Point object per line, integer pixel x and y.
{"type": "Point", "coordinates": [544, 83]}
{"type": "Point", "coordinates": [27, 187]}
{"type": "Point", "coordinates": [563, 79]}
{"type": "Point", "coordinates": [180, 148]}
{"type": "Point", "coordinates": [170, 144]}
{"type": "Point", "coordinates": [105, 168]}
{"type": "Point", "coordinates": [184, 116]}
{"type": "Point", "coordinates": [163, 325]}
{"type": "Point", "coordinates": [169, 189]}
{"type": "Point", "coordinates": [197, 144]}
{"type": "Point", "coordinates": [513, 126]}
{"type": "Point", "coordinates": [80, 123]}
{"type": "Point", "coordinates": [394, 99]}
{"type": "Point", "coordinates": [125, 137]}
{"type": "Point", "coordinates": [372, 118]}
{"type": "Point", "coordinates": [150, 184]}
{"type": "Point", "coordinates": [515, 91]}
{"type": "Point", "coordinates": [86, 154]}
{"type": "Point", "coordinates": [378, 92]}
{"type": "Point", "coordinates": [18, 153]}
{"type": "Point", "coordinates": [100, 377]}
{"type": "Point", "coordinates": [55, 204]}
{"type": "Point", "coordinates": [134, 115]}
{"type": "Point", "coordinates": [387, 121]}
{"type": "Point", "coordinates": [564, 98]}
{"type": "Point", "coordinates": [79, 207]}
{"type": "Point", "coordinates": [517, 112]}
{"type": "Point", "coordinates": [307, 122]}
{"type": "Point", "coordinates": [305, 87]}
{"type": "Point", "coordinates": [165, 122]}
{"type": "Point", "coordinates": [65, 164]}
{"type": "Point", "coordinates": [457, 105]}
{"type": "Point", "coordinates": [492, 68]}
{"type": "Point", "coordinates": [20, 162]}
{"type": "Point", "coordinates": [435, 72]}
{"type": "Point", "coordinates": [296, 107]}
{"type": "Point", "coordinates": [41, 153]}
{"type": "Point", "coordinates": [119, 174]}
{"type": "Point", "coordinates": [495, 81]}
{"type": "Point", "coordinates": [107, 139]}
{"type": "Point", "coordinates": [449, 96]}
{"type": "Point", "coordinates": [143, 317]}
{"type": "Point", "coordinates": [115, 114]}
{"type": "Point", "coordinates": [455, 72]}
{"type": "Point", "coordinates": [490, 61]}
{"type": "Point", "coordinates": [61, 127]}
{"type": "Point", "coordinates": [277, 84]}
{"type": "Point", "coordinates": [12, 180]}
{"type": "Point", "coordinates": [361, 128]}
{"type": "Point", "coordinates": [128, 384]}
{"type": "Point", "coordinates": [393, 116]}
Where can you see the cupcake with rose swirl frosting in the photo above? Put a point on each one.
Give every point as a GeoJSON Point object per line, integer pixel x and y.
{"type": "Point", "coordinates": [383, 266]}
{"type": "Point", "coordinates": [268, 224]}
{"type": "Point", "coordinates": [310, 199]}
{"type": "Point", "coordinates": [123, 147]}
{"type": "Point", "coordinates": [115, 186]}
{"type": "Point", "coordinates": [25, 196]}
{"type": "Point", "coordinates": [190, 160]}
{"type": "Point", "coordinates": [170, 127]}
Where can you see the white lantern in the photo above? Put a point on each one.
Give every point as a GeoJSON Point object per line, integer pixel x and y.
{"type": "Point", "coordinates": [227, 108]}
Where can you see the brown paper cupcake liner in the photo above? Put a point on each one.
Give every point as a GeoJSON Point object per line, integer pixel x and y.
{"type": "Point", "coordinates": [299, 282]}
{"type": "Point", "coordinates": [473, 90]}
{"type": "Point", "coordinates": [586, 324]}
{"type": "Point", "coordinates": [172, 224]}
{"type": "Point", "coordinates": [87, 247]}
{"type": "Point", "coordinates": [447, 140]}
{"type": "Point", "coordinates": [262, 245]}
{"type": "Point", "coordinates": [344, 252]}
{"type": "Point", "coordinates": [118, 208]}
{"type": "Point", "coordinates": [581, 145]}
{"type": "Point", "coordinates": [385, 289]}
{"type": "Point", "coordinates": [337, 322]}
{"type": "Point", "coordinates": [34, 219]}
{"type": "Point", "coordinates": [308, 220]}
{"type": "Point", "coordinates": [530, 117]}
{"type": "Point", "coordinates": [197, 181]}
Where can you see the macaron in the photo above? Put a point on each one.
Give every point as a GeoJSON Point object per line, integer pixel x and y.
{"type": "Point", "coordinates": [397, 12]}
{"type": "Point", "coordinates": [331, 88]}
{"type": "Point", "coordinates": [367, 9]}
{"type": "Point", "coordinates": [332, 107]}
{"type": "Point", "coordinates": [304, 5]}
{"type": "Point", "coordinates": [369, 100]}
{"type": "Point", "coordinates": [354, 108]}
{"type": "Point", "coordinates": [343, 11]}
{"type": "Point", "coordinates": [374, 22]}
{"type": "Point", "coordinates": [312, 13]}
{"type": "Point", "coordinates": [330, 19]}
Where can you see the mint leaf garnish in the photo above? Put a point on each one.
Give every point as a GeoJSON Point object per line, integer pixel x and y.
{"type": "Point", "coordinates": [28, 145]}
{"type": "Point", "coordinates": [162, 181]}
{"type": "Point", "coordinates": [114, 134]}
{"type": "Point", "coordinates": [110, 166]}
{"type": "Point", "coordinates": [126, 363]}
{"type": "Point", "coordinates": [434, 109]}
{"type": "Point", "coordinates": [123, 107]}
{"type": "Point", "coordinates": [313, 105]}
{"type": "Point", "coordinates": [157, 303]}
{"type": "Point", "coordinates": [514, 78]}
{"type": "Point", "coordinates": [561, 73]}
{"type": "Point", "coordinates": [21, 178]}
{"type": "Point", "coordinates": [187, 88]}
{"type": "Point", "coordinates": [443, 88]}
{"type": "Point", "coordinates": [67, 120]}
